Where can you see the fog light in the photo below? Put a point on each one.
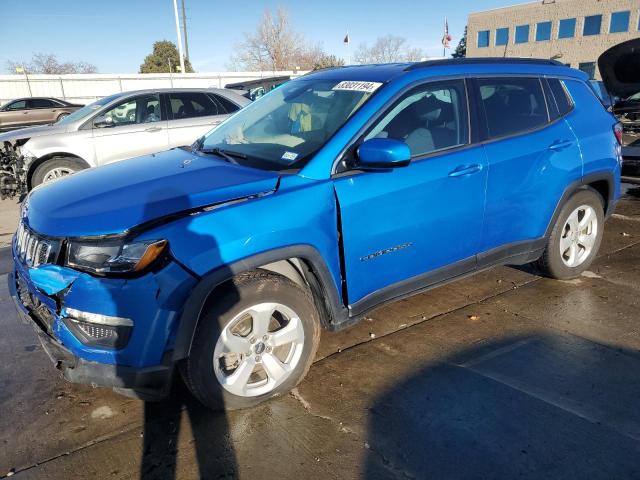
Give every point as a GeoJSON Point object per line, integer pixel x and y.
{"type": "Point", "coordinates": [97, 329]}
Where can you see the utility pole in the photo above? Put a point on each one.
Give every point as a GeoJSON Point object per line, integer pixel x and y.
{"type": "Point", "coordinates": [180, 53]}
{"type": "Point", "coordinates": [184, 29]}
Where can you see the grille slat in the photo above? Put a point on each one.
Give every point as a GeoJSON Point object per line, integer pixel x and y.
{"type": "Point", "coordinates": [33, 249]}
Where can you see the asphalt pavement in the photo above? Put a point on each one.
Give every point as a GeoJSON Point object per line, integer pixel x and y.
{"type": "Point", "coordinates": [501, 375]}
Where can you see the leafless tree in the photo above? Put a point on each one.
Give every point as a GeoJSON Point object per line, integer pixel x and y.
{"type": "Point", "coordinates": [388, 49]}
{"type": "Point", "coordinates": [275, 46]}
{"type": "Point", "coordinates": [47, 63]}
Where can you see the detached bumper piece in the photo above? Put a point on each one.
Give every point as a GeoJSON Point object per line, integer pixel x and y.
{"type": "Point", "coordinates": [78, 370]}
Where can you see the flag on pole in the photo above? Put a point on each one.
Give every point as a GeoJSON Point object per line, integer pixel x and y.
{"type": "Point", "coordinates": [347, 40]}
{"type": "Point", "coordinates": [446, 38]}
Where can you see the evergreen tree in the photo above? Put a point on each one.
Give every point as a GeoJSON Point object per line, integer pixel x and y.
{"type": "Point", "coordinates": [164, 52]}
{"type": "Point", "coordinates": [461, 49]}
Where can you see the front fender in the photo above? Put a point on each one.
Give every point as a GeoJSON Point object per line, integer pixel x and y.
{"type": "Point", "coordinates": [75, 144]}
{"type": "Point", "coordinates": [298, 220]}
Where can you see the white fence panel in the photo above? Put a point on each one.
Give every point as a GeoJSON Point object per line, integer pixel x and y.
{"type": "Point", "coordinates": [85, 88]}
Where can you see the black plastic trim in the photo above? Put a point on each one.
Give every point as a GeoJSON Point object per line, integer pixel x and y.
{"type": "Point", "coordinates": [581, 184]}
{"type": "Point", "coordinates": [411, 286]}
{"type": "Point", "coordinates": [483, 61]}
{"type": "Point", "coordinates": [335, 312]}
{"type": "Point", "coordinates": [519, 253]}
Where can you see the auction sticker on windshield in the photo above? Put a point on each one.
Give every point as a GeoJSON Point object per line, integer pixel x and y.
{"type": "Point", "coordinates": [354, 86]}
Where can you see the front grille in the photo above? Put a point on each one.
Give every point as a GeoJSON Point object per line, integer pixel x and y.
{"type": "Point", "coordinates": [35, 306]}
{"type": "Point", "coordinates": [33, 249]}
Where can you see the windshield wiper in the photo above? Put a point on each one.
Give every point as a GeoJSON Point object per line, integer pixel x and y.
{"type": "Point", "coordinates": [228, 155]}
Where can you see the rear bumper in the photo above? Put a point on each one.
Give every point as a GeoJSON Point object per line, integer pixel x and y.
{"type": "Point", "coordinates": [78, 370]}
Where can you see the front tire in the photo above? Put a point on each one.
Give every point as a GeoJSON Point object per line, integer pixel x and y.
{"type": "Point", "coordinates": [55, 169]}
{"type": "Point", "coordinates": [575, 238]}
{"type": "Point", "coordinates": [256, 341]}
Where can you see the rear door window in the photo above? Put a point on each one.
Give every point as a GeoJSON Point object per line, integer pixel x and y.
{"type": "Point", "coordinates": [41, 103]}
{"type": "Point", "coordinates": [512, 105]}
{"type": "Point", "coordinates": [190, 105]}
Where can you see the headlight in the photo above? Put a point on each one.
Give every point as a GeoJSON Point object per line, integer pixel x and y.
{"type": "Point", "coordinates": [114, 257]}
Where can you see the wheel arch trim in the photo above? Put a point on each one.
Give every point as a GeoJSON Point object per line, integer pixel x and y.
{"type": "Point", "coordinates": [318, 276]}
{"type": "Point", "coordinates": [582, 184]}
{"type": "Point", "coordinates": [49, 156]}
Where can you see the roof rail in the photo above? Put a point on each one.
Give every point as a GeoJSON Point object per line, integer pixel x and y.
{"type": "Point", "coordinates": [483, 60]}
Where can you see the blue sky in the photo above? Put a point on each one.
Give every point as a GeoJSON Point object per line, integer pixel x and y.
{"type": "Point", "coordinates": [115, 35]}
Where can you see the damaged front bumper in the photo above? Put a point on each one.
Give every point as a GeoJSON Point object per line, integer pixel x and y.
{"type": "Point", "coordinates": [145, 363]}
{"type": "Point", "coordinates": [14, 167]}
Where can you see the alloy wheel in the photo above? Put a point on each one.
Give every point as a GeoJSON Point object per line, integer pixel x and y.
{"type": "Point", "coordinates": [579, 235]}
{"type": "Point", "coordinates": [56, 174]}
{"type": "Point", "coordinates": [258, 349]}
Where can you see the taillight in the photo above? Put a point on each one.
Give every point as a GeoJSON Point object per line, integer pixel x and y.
{"type": "Point", "coordinates": [617, 131]}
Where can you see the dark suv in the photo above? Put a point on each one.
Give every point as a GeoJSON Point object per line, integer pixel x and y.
{"type": "Point", "coordinates": [329, 196]}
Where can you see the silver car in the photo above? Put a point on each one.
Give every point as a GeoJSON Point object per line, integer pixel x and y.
{"type": "Point", "coordinates": [113, 128]}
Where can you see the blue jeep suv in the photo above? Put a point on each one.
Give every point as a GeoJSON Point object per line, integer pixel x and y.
{"type": "Point", "coordinates": [329, 196]}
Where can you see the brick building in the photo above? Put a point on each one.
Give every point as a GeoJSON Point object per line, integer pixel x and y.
{"type": "Point", "coordinates": [574, 32]}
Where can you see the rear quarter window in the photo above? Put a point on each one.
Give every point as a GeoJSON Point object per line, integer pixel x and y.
{"type": "Point", "coordinates": [227, 105]}
{"type": "Point", "coordinates": [512, 105]}
{"type": "Point", "coordinates": [560, 96]}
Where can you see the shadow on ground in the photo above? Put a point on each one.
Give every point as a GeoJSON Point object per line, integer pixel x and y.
{"type": "Point", "coordinates": [547, 406]}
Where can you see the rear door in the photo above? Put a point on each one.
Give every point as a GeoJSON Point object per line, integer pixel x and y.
{"type": "Point", "coordinates": [191, 115]}
{"type": "Point", "coordinates": [136, 127]}
{"type": "Point", "coordinates": [400, 226]}
{"type": "Point", "coordinates": [42, 110]}
{"type": "Point", "coordinates": [533, 156]}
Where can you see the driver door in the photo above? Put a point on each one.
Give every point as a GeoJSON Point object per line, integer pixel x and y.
{"type": "Point", "coordinates": [406, 227]}
{"type": "Point", "coordinates": [134, 127]}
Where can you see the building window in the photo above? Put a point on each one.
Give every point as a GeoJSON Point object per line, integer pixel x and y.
{"type": "Point", "coordinates": [567, 28]}
{"type": "Point", "coordinates": [483, 39]}
{"type": "Point", "coordinates": [502, 36]}
{"type": "Point", "coordinates": [589, 68]}
{"type": "Point", "coordinates": [619, 22]}
{"type": "Point", "coordinates": [543, 31]}
{"type": "Point", "coordinates": [592, 25]}
{"type": "Point", "coordinates": [522, 33]}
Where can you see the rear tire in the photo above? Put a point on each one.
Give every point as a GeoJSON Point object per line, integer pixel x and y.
{"type": "Point", "coordinates": [575, 238]}
{"type": "Point", "coordinates": [61, 116]}
{"type": "Point", "coordinates": [238, 362]}
{"type": "Point", "coordinates": [54, 169]}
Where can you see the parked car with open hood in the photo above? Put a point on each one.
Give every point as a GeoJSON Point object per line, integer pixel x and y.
{"type": "Point", "coordinates": [22, 112]}
{"type": "Point", "coordinates": [620, 70]}
{"type": "Point", "coordinates": [329, 196]}
{"type": "Point", "coordinates": [113, 128]}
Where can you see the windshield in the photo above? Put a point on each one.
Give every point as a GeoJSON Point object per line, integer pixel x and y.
{"type": "Point", "coordinates": [86, 110]}
{"type": "Point", "coordinates": [635, 97]}
{"type": "Point", "coordinates": [286, 127]}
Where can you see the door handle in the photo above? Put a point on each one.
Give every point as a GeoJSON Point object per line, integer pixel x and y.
{"type": "Point", "coordinates": [153, 129]}
{"type": "Point", "coordinates": [24, 113]}
{"type": "Point", "coordinates": [217, 122]}
{"type": "Point", "coordinates": [464, 170]}
{"type": "Point", "coordinates": [560, 144]}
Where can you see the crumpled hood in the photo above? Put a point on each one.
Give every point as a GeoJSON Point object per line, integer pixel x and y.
{"type": "Point", "coordinates": [620, 68]}
{"type": "Point", "coordinates": [117, 197]}
{"type": "Point", "coordinates": [31, 132]}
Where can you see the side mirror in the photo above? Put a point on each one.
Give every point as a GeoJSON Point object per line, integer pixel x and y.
{"type": "Point", "coordinates": [383, 153]}
{"type": "Point", "coordinates": [103, 121]}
